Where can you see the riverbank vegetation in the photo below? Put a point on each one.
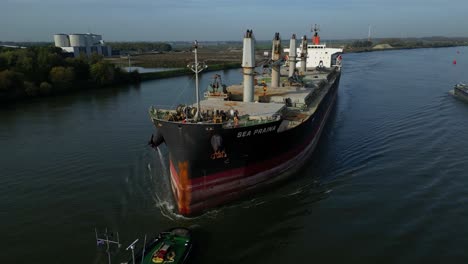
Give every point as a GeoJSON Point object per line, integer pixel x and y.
{"type": "Point", "coordinates": [223, 53]}
{"type": "Point", "coordinates": [185, 71]}
{"type": "Point", "coordinates": [180, 59]}
{"type": "Point", "coordinates": [43, 71]}
{"type": "Point", "coordinates": [140, 47]}
{"type": "Point", "coordinates": [402, 43]}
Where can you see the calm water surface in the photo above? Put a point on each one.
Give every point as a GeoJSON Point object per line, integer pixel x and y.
{"type": "Point", "coordinates": [387, 183]}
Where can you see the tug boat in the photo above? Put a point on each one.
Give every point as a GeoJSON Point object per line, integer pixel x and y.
{"type": "Point", "coordinates": [172, 246]}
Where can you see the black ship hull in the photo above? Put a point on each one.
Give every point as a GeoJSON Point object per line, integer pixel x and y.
{"type": "Point", "coordinates": [211, 165]}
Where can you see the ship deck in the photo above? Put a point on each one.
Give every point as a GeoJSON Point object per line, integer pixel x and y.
{"type": "Point", "coordinates": [255, 111]}
{"type": "Point", "coordinates": [299, 94]}
{"type": "Point", "coordinates": [294, 102]}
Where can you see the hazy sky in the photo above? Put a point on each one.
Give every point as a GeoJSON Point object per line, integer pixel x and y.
{"type": "Point", "coordinates": [158, 20]}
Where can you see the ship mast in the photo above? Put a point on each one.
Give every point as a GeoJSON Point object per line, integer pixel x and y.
{"type": "Point", "coordinates": [197, 68]}
{"type": "Point", "coordinates": [276, 55]}
{"type": "Point", "coordinates": [292, 55]}
{"type": "Point", "coordinates": [303, 55]}
{"type": "Point", "coordinates": [248, 66]}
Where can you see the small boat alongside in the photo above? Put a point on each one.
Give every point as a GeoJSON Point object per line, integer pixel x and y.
{"type": "Point", "coordinates": [172, 246]}
{"type": "Point", "coordinates": [460, 91]}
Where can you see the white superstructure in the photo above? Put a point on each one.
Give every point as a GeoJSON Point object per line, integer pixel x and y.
{"type": "Point", "coordinates": [318, 55]}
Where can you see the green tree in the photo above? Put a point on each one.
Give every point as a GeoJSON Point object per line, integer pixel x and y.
{"type": "Point", "coordinates": [11, 84]}
{"type": "Point", "coordinates": [31, 89]}
{"type": "Point", "coordinates": [80, 66]}
{"type": "Point", "coordinates": [45, 88]}
{"type": "Point", "coordinates": [95, 58]}
{"type": "Point", "coordinates": [25, 64]}
{"type": "Point", "coordinates": [46, 59]}
{"type": "Point", "coordinates": [3, 64]}
{"type": "Point", "coordinates": [62, 77]}
{"type": "Point", "coordinates": [103, 73]}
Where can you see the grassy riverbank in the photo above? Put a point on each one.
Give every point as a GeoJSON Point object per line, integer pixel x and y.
{"type": "Point", "coordinates": [405, 43]}
{"type": "Point", "coordinates": [39, 71]}
{"type": "Point", "coordinates": [185, 71]}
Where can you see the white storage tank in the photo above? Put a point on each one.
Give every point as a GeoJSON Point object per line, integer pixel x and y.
{"type": "Point", "coordinates": [89, 39]}
{"type": "Point", "coordinates": [78, 40]}
{"type": "Point", "coordinates": [96, 39]}
{"type": "Point", "coordinates": [61, 40]}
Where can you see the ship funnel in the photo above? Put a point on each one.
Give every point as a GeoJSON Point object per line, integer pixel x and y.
{"type": "Point", "coordinates": [248, 66]}
{"type": "Point", "coordinates": [292, 55]}
{"type": "Point", "coordinates": [303, 54]}
{"type": "Point", "coordinates": [316, 37]}
{"type": "Point", "coordinates": [316, 40]}
{"type": "Point", "coordinates": [276, 56]}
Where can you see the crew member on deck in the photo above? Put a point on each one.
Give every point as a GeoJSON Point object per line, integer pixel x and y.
{"type": "Point", "coordinates": [264, 87]}
{"type": "Point", "coordinates": [236, 120]}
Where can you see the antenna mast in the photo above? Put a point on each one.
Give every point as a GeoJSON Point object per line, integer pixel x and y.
{"type": "Point", "coordinates": [132, 248]}
{"type": "Point", "coordinates": [197, 68]}
{"type": "Point", "coordinates": [315, 29]}
{"type": "Point", "coordinates": [106, 241]}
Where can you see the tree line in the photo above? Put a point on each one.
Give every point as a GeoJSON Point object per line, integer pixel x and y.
{"type": "Point", "coordinates": [431, 42]}
{"type": "Point", "coordinates": [42, 71]}
{"type": "Point", "coordinates": [141, 46]}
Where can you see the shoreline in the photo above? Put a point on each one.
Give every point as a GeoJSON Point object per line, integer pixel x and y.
{"type": "Point", "coordinates": [363, 50]}
{"type": "Point", "coordinates": [148, 76]}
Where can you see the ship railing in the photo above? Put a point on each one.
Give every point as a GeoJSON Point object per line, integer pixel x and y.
{"type": "Point", "coordinates": [215, 95]}
{"type": "Point", "coordinates": [247, 122]}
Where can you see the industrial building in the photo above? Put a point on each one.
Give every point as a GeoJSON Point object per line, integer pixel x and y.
{"type": "Point", "coordinates": [82, 44]}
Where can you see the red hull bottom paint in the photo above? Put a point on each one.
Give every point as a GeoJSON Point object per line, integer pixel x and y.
{"type": "Point", "coordinates": [193, 198]}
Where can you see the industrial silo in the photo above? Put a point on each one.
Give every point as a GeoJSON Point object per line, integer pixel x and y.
{"type": "Point", "coordinates": [96, 39]}
{"type": "Point", "coordinates": [61, 40]}
{"type": "Point", "coordinates": [78, 40]}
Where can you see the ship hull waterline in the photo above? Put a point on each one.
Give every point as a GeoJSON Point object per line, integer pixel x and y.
{"type": "Point", "coordinates": [244, 160]}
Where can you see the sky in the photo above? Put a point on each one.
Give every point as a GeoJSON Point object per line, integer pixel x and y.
{"type": "Point", "coordinates": [187, 20]}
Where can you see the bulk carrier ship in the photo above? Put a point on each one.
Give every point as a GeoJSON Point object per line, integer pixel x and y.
{"type": "Point", "coordinates": [242, 138]}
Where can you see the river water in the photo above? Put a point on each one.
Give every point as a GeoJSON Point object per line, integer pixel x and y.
{"type": "Point", "coordinates": [387, 183]}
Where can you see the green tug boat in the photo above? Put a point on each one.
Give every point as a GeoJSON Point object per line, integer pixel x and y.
{"type": "Point", "coordinates": [172, 246]}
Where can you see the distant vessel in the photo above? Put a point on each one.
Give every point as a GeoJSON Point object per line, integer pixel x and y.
{"type": "Point", "coordinates": [245, 137]}
{"type": "Point", "coordinates": [461, 91]}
